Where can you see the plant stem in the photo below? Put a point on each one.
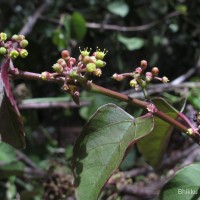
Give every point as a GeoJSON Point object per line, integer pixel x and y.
{"type": "Point", "coordinates": [137, 102]}
{"type": "Point", "coordinates": [96, 88]}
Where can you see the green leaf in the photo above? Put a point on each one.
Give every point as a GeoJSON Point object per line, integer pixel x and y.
{"type": "Point", "coordinates": [118, 8]}
{"type": "Point", "coordinates": [10, 165]}
{"type": "Point", "coordinates": [58, 39]}
{"type": "Point", "coordinates": [153, 146]}
{"type": "Point", "coordinates": [78, 26]}
{"type": "Point", "coordinates": [101, 147]}
{"type": "Point", "coordinates": [97, 100]}
{"type": "Point", "coordinates": [131, 44]}
{"type": "Point", "coordinates": [182, 9]}
{"type": "Point", "coordinates": [67, 27]}
{"type": "Point", "coordinates": [12, 169]}
{"type": "Point", "coordinates": [7, 153]}
{"type": "Point", "coordinates": [185, 185]}
{"type": "Point", "coordinates": [194, 97]}
{"type": "Point", "coordinates": [11, 126]}
{"type": "Point", "coordinates": [31, 195]}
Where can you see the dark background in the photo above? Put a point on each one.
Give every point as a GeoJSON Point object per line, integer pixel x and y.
{"type": "Point", "coordinates": [165, 33]}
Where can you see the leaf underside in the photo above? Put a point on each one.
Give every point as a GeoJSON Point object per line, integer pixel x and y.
{"type": "Point", "coordinates": [11, 126]}
{"type": "Point", "coordinates": [100, 149]}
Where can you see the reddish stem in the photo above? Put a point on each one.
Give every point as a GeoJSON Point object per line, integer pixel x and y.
{"type": "Point", "coordinates": [111, 93]}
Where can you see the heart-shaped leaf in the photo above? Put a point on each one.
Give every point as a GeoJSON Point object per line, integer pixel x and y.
{"type": "Point", "coordinates": [184, 185]}
{"type": "Point", "coordinates": [11, 126]}
{"type": "Point", "coordinates": [153, 146]}
{"type": "Point", "coordinates": [101, 147]}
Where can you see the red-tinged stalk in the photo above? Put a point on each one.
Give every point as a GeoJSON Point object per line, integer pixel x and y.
{"type": "Point", "coordinates": [96, 88]}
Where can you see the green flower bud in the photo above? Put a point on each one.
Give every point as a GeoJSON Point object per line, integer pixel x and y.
{"type": "Point", "coordinates": [57, 68]}
{"type": "Point", "coordinates": [13, 54]}
{"type": "Point", "coordinates": [24, 43]}
{"type": "Point", "coordinates": [90, 67]}
{"type": "Point", "coordinates": [3, 50]}
{"type": "Point", "coordinates": [15, 37]}
{"type": "Point", "coordinates": [23, 53]}
{"type": "Point", "coordinates": [133, 83]}
{"type": "Point", "coordinates": [3, 36]}
{"type": "Point", "coordinates": [100, 63]}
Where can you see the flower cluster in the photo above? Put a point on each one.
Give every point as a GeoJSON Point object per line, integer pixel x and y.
{"type": "Point", "coordinates": [139, 77]}
{"type": "Point", "coordinates": [69, 67]}
{"type": "Point", "coordinates": [73, 70]}
{"type": "Point", "coordinates": [13, 47]}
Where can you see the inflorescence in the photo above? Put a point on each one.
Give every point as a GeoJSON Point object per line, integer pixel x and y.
{"type": "Point", "coordinates": [139, 78]}
{"type": "Point", "coordinates": [86, 64]}
{"type": "Point", "coordinates": [72, 69]}
{"type": "Point", "coordinates": [14, 47]}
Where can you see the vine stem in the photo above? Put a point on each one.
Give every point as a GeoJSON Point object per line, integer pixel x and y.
{"type": "Point", "coordinates": [96, 88]}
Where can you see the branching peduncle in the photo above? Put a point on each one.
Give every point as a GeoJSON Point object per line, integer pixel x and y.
{"type": "Point", "coordinates": [72, 73]}
{"type": "Point", "coordinates": [18, 74]}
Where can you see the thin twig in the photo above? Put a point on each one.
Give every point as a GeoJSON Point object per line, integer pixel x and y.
{"type": "Point", "coordinates": [184, 77]}
{"type": "Point", "coordinates": [150, 191]}
{"type": "Point", "coordinates": [50, 104]}
{"type": "Point", "coordinates": [98, 89]}
{"type": "Point", "coordinates": [176, 157]}
{"type": "Point", "coordinates": [27, 28]}
{"type": "Point", "coordinates": [136, 172]}
{"type": "Point", "coordinates": [188, 74]}
{"type": "Point", "coordinates": [158, 88]}
{"type": "Point", "coordinates": [111, 27]}
{"type": "Point", "coordinates": [153, 188]}
{"type": "Point", "coordinates": [21, 156]}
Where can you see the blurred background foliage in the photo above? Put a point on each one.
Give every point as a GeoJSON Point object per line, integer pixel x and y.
{"type": "Point", "coordinates": [164, 32]}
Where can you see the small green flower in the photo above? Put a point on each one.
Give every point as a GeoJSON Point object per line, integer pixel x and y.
{"type": "Point", "coordinates": [15, 37]}
{"type": "Point", "coordinates": [3, 50]}
{"type": "Point", "coordinates": [85, 52]}
{"type": "Point", "coordinates": [45, 75]}
{"type": "Point", "coordinates": [100, 63]}
{"type": "Point", "coordinates": [23, 53]}
{"type": "Point", "coordinates": [3, 36]}
{"type": "Point", "coordinates": [13, 54]}
{"type": "Point", "coordinates": [165, 79]}
{"type": "Point", "coordinates": [90, 67]}
{"type": "Point", "coordinates": [133, 83]}
{"type": "Point", "coordinates": [24, 43]}
{"type": "Point", "coordinates": [57, 68]}
{"type": "Point", "coordinates": [100, 54]}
